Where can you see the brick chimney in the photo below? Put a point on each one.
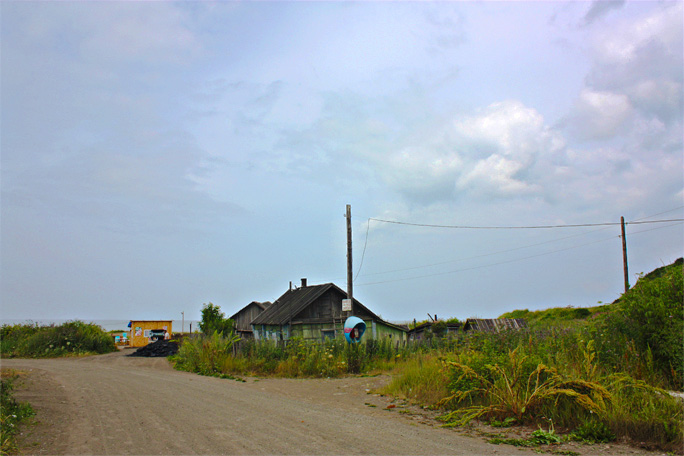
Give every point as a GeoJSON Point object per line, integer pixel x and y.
{"type": "Point", "coordinates": [303, 282]}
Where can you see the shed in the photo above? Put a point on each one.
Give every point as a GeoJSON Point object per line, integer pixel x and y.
{"type": "Point", "coordinates": [246, 315]}
{"type": "Point", "coordinates": [140, 330]}
{"type": "Point", "coordinates": [418, 332]}
{"type": "Point", "coordinates": [315, 312]}
{"type": "Point", "coordinates": [494, 324]}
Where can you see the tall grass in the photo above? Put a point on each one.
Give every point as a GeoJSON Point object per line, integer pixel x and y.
{"type": "Point", "coordinates": [12, 413]}
{"type": "Point", "coordinates": [537, 376]}
{"type": "Point", "coordinates": [71, 338]}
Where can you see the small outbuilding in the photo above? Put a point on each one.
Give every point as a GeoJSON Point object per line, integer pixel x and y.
{"type": "Point", "coordinates": [142, 331]}
{"type": "Point", "coordinates": [243, 317]}
{"type": "Point", "coordinates": [420, 332]}
{"type": "Point", "coordinates": [494, 324]}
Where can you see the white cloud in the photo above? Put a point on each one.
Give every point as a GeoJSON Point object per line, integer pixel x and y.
{"type": "Point", "coordinates": [599, 115]}
{"type": "Point", "coordinates": [496, 173]}
{"type": "Point", "coordinates": [642, 58]}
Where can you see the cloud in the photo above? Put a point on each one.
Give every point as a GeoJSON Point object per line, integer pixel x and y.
{"type": "Point", "coordinates": [599, 8]}
{"type": "Point", "coordinates": [643, 60]}
{"type": "Point", "coordinates": [504, 142]}
{"type": "Point", "coordinates": [599, 115]}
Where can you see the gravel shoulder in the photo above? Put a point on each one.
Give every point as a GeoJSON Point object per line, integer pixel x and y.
{"type": "Point", "coordinates": [114, 404]}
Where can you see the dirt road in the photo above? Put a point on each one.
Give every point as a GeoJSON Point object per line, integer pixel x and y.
{"type": "Point", "coordinates": [113, 404]}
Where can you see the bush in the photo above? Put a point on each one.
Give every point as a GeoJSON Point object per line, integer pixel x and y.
{"type": "Point", "coordinates": [12, 413]}
{"type": "Point", "coordinates": [651, 317]}
{"type": "Point", "coordinates": [71, 338]}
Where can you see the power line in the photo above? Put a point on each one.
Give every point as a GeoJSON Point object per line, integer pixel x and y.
{"type": "Point", "coordinates": [486, 265]}
{"type": "Point", "coordinates": [653, 229]}
{"type": "Point", "coordinates": [485, 254]}
{"type": "Point", "coordinates": [470, 227]}
{"type": "Point", "coordinates": [660, 213]}
{"type": "Point", "coordinates": [363, 255]}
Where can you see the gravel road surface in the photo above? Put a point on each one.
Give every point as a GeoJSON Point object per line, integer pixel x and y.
{"type": "Point", "coordinates": [114, 404]}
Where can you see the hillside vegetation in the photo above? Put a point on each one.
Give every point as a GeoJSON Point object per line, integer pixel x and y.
{"type": "Point", "coordinates": [600, 373]}
{"type": "Point", "coordinates": [68, 339]}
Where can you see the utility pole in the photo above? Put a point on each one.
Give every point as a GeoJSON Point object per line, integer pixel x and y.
{"type": "Point", "coordinates": [624, 254]}
{"type": "Point", "coordinates": [350, 290]}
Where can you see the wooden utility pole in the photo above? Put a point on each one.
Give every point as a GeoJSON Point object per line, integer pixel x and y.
{"type": "Point", "coordinates": [350, 278]}
{"type": "Point", "coordinates": [624, 254]}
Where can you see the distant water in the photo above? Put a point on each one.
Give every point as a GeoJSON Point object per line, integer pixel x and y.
{"type": "Point", "coordinates": [107, 325]}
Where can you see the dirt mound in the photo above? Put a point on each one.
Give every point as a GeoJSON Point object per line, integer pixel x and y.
{"type": "Point", "coordinates": [160, 348]}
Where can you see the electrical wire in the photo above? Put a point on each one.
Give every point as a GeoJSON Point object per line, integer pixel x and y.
{"type": "Point", "coordinates": [363, 255]}
{"type": "Point", "coordinates": [487, 265]}
{"type": "Point", "coordinates": [485, 254]}
{"type": "Point", "coordinates": [660, 213]}
{"type": "Point", "coordinates": [604, 225]}
{"type": "Point", "coordinates": [653, 229]}
{"type": "Point", "coordinates": [470, 227]}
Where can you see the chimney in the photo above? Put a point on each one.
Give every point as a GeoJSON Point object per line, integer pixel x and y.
{"type": "Point", "coordinates": [303, 282]}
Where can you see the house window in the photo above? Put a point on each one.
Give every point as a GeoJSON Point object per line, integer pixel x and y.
{"type": "Point", "coordinates": [327, 333]}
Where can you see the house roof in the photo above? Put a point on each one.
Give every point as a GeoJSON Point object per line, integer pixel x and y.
{"type": "Point", "coordinates": [292, 302]}
{"type": "Point", "coordinates": [494, 324]}
{"type": "Point", "coordinates": [261, 305]}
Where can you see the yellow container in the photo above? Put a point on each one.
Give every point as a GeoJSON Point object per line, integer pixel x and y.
{"type": "Point", "coordinates": [139, 335]}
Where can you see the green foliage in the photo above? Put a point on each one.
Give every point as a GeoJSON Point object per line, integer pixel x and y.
{"type": "Point", "coordinates": [439, 328]}
{"type": "Point", "coordinates": [538, 437]}
{"type": "Point", "coordinates": [508, 422]}
{"type": "Point", "coordinates": [517, 388]}
{"type": "Point", "coordinates": [206, 355]}
{"type": "Point", "coordinates": [12, 413]}
{"type": "Point", "coordinates": [420, 378]}
{"type": "Point", "coordinates": [650, 317]}
{"type": "Point", "coordinates": [561, 316]}
{"type": "Point", "coordinates": [213, 320]}
{"type": "Point", "coordinates": [71, 338]}
{"type": "Point", "coordinates": [593, 431]}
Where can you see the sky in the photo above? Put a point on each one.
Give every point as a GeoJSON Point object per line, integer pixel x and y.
{"type": "Point", "coordinates": [157, 156]}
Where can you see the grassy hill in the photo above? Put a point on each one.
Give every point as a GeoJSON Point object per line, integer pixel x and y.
{"type": "Point", "coordinates": [573, 316]}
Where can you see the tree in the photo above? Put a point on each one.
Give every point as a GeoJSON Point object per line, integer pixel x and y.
{"type": "Point", "coordinates": [213, 320]}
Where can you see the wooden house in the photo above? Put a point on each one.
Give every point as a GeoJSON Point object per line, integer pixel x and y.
{"type": "Point", "coordinates": [315, 312]}
{"type": "Point", "coordinates": [494, 324]}
{"type": "Point", "coordinates": [243, 317]}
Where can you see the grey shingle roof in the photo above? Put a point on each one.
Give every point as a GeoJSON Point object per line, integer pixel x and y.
{"type": "Point", "coordinates": [292, 302]}
{"type": "Point", "coordinates": [494, 324]}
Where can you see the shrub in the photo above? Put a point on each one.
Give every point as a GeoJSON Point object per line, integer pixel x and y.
{"type": "Point", "coordinates": [74, 337]}
{"type": "Point", "coordinates": [12, 413]}
{"type": "Point", "coordinates": [651, 316]}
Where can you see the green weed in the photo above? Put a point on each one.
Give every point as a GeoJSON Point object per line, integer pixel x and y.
{"type": "Point", "coordinates": [12, 413]}
{"type": "Point", "coordinates": [68, 339]}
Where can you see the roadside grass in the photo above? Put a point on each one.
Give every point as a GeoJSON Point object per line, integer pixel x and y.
{"type": "Point", "coordinates": [216, 354]}
{"type": "Point", "coordinates": [72, 338]}
{"type": "Point", "coordinates": [12, 413]}
{"type": "Point", "coordinates": [420, 379]}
